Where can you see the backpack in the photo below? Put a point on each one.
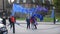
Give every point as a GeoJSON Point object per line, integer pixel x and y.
{"type": "Point", "coordinates": [32, 20]}
{"type": "Point", "coordinates": [12, 19]}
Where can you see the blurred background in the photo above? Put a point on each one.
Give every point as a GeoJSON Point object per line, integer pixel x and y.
{"type": "Point", "coordinates": [53, 6]}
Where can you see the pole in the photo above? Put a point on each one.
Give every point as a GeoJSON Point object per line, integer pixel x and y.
{"type": "Point", "coordinates": [54, 18]}
{"type": "Point", "coordinates": [3, 8]}
{"type": "Point", "coordinates": [54, 15]}
{"type": "Point", "coordinates": [3, 4]}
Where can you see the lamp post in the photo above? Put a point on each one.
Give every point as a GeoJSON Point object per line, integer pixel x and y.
{"type": "Point", "coordinates": [3, 8]}
{"type": "Point", "coordinates": [54, 15]}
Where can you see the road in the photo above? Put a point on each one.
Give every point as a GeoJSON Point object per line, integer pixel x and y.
{"type": "Point", "coordinates": [43, 28]}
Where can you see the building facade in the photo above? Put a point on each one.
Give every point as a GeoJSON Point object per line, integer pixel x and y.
{"type": "Point", "coordinates": [7, 4]}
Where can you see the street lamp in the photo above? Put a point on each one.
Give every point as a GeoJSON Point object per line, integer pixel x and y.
{"type": "Point", "coordinates": [3, 8]}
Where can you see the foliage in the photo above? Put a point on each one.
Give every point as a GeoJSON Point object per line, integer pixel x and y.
{"type": "Point", "coordinates": [45, 19]}
{"type": "Point", "coordinates": [57, 5]}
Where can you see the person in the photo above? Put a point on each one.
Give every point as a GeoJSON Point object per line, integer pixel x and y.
{"type": "Point", "coordinates": [13, 23]}
{"type": "Point", "coordinates": [10, 23]}
{"type": "Point", "coordinates": [33, 22]}
{"type": "Point", "coordinates": [28, 23]}
{"type": "Point", "coordinates": [4, 20]}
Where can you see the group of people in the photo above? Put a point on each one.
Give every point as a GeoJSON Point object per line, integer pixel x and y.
{"type": "Point", "coordinates": [30, 21]}
{"type": "Point", "coordinates": [33, 21]}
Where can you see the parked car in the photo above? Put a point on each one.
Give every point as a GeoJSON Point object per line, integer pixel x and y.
{"type": "Point", "coordinates": [3, 29]}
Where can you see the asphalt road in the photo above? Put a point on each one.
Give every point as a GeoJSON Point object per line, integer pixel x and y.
{"type": "Point", "coordinates": [43, 28]}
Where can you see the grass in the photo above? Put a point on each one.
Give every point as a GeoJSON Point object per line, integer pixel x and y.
{"type": "Point", "coordinates": [48, 19]}
{"type": "Point", "coordinates": [20, 18]}
{"type": "Point", "coordinates": [45, 19]}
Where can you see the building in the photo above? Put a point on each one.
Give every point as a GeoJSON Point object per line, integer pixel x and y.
{"type": "Point", "coordinates": [7, 4]}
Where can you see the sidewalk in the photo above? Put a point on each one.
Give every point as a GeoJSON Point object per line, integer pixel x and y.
{"type": "Point", "coordinates": [41, 23]}
{"type": "Point", "coordinates": [42, 29]}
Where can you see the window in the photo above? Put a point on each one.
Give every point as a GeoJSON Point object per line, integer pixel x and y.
{"type": "Point", "coordinates": [50, 1]}
{"type": "Point", "coordinates": [33, 1]}
{"type": "Point", "coordinates": [17, 1]}
{"type": "Point", "coordinates": [43, 1]}
{"type": "Point", "coordinates": [10, 1]}
{"type": "Point", "coordinates": [24, 1]}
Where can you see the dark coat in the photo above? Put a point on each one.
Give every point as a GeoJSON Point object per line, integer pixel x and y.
{"type": "Point", "coordinates": [4, 21]}
{"type": "Point", "coordinates": [28, 21]}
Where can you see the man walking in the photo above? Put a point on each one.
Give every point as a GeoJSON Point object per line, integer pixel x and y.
{"type": "Point", "coordinates": [28, 23]}
{"type": "Point", "coordinates": [13, 23]}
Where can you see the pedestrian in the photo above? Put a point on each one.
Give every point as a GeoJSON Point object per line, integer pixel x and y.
{"type": "Point", "coordinates": [28, 23]}
{"type": "Point", "coordinates": [35, 22]}
{"type": "Point", "coordinates": [13, 23]}
{"type": "Point", "coordinates": [4, 20]}
{"type": "Point", "coordinates": [10, 23]}
{"type": "Point", "coordinates": [32, 22]}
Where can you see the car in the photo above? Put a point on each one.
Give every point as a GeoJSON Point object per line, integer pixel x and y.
{"type": "Point", "coordinates": [3, 29]}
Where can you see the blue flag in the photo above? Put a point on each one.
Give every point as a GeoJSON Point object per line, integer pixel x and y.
{"type": "Point", "coordinates": [52, 14]}
{"type": "Point", "coordinates": [39, 16]}
{"type": "Point", "coordinates": [31, 11]}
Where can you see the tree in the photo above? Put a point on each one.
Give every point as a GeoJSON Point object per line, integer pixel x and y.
{"type": "Point", "coordinates": [57, 5]}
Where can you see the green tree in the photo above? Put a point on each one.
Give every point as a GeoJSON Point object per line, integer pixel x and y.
{"type": "Point", "coordinates": [57, 5]}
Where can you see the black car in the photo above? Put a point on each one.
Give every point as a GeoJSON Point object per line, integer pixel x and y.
{"type": "Point", "coordinates": [3, 29]}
